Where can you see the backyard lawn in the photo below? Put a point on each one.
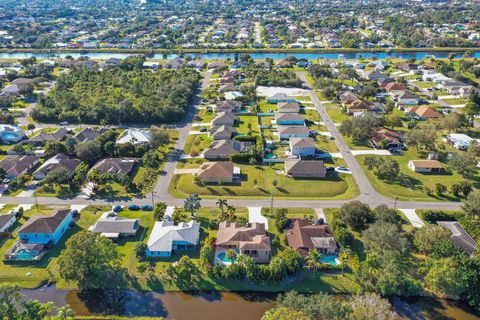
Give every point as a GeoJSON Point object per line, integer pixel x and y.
{"type": "Point", "coordinates": [410, 186]}
{"type": "Point", "coordinates": [333, 187]}
{"type": "Point", "coordinates": [248, 125]}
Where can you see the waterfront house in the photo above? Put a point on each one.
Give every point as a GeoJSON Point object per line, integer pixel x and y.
{"type": "Point", "coordinates": [304, 236]}
{"type": "Point", "coordinates": [250, 240]}
{"type": "Point", "coordinates": [167, 238]}
{"type": "Point", "coordinates": [460, 238]}
{"type": "Point", "coordinates": [41, 229]}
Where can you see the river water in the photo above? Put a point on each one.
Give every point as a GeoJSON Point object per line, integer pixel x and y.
{"type": "Point", "coordinates": [258, 55]}
{"type": "Point", "coordinates": [215, 305]}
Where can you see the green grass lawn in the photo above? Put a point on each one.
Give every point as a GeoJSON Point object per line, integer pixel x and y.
{"type": "Point", "coordinates": [189, 163]}
{"type": "Point", "coordinates": [335, 113]}
{"type": "Point", "coordinates": [196, 143]}
{"type": "Point", "coordinates": [456, 101]}
{"type": "Point", "coordinates": [248, 125]}
{"type": "Point", "coordinates": [204, 116]}
{"type": "Point", "coordinates": [353, 146]}
{"type": "Point", "coordinates": [311, 115]}
{"type": "Point", "coordinates": [333, 187]}
{"type": "Point", "coordinates": [266, 107]}
{"type": "Point", "coordinates": [424, 84]}
{"type": "Point", "coordinates": [325, 144]}
{"type": "Point", "coordinates": [411, 185]}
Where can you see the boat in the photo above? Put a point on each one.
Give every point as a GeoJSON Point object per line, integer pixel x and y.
{"type": "Point", "coordinates": [430, 56]}
{"type": "Point", "coordinates": [341, 56]}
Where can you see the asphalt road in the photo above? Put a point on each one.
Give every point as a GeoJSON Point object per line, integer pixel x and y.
{"type": "Point", "coordinates": [160, 193]}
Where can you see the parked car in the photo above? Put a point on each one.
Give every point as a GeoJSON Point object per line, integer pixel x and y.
{"type": "Point", "coordinates": [330, 169]}
{"type": "Point", "coordinates": [343, 169]}
{"type": "Point", "coordinates": [133, 207]}
{"type": "Point", "coordinates": [147, 208]}
{"type": "Point", "coordinates": [203, 130]}
{"type": "Point", "coordinates": [63, 123]}
{"type": "Point", "coordinates": [116, 208]}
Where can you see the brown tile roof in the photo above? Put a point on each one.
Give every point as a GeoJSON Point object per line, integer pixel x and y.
{"type": "Point", "coordinates": [44, 224]}
{"type": "Point", "coordinates": [380, 134]}
{"type": "Point", "coordinates": [395, 86]}
{"type": "Point", "coordinates": [301, 232]}
{"type": "Point", "coordinates": [216, 170]}
{"type": "Point", "coordinates": [117, 166]}
{"type": "Point", "coordinates": [252, 237]}
{"type": "Point", "coordinates": [424, 112]}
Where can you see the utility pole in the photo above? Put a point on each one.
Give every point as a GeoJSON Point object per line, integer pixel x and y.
{"type": "Point", "coordinates": [271, 202]}
{"type": "Point", "coordinates": [153, 193]}
{"type": "Point", "coordinates": [36, 200]}
{"type": "Point", "coordinates": [395, 205]}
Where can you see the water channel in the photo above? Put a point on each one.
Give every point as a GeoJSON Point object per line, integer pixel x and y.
{"type": "Point", "coordinates": [257, 55]}
{"type": "Point", "coordinates": [213, 305]}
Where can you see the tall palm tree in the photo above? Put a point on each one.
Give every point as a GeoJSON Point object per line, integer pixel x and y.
{"type": "Point", "coordinates": [312, 260]}
{"type": "Point", "coordinates": [46, 310]}
{"type": "Point", "coordinates": [65, 312]}
{"type": "Point", "coordinates": [221, 203]}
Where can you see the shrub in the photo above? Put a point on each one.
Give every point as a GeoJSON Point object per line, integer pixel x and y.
{"type": "Point", "coordinates": [433, 216]}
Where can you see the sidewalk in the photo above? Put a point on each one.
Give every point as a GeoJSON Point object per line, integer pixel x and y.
{"type": "Point", "coordinates": [413, 217]}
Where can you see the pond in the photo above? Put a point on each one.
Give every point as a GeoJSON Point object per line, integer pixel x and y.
{"type": "Point", "coordinates": [215, 305]}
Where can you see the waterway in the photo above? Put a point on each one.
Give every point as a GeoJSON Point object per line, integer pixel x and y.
{"type": "Point", "coordinates": [257, 55]}
{"type": "Point", "coordinates": [215, 305]}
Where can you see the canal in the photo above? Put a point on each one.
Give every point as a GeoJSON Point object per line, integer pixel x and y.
{"type": "Point", "coordinates": [257, 55]}
{"type": "Point", "coordinates": [215, 305]}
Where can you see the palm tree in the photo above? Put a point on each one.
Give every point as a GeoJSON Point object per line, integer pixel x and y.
{"type": "Point", "coordinates": [221, 203]}
{"type": "Point", "coordinates": [312, 260]}
{"type": "Point", "coordinates": [344, 257]}
{"type": "Point", "coordinates": [65, 312]}
{"type": "Point", "coordinates": [231, 255]}
{"type": "Point", "coordinates": [192, 204]}
{"type": "Point", "coordinates": [46, 310]}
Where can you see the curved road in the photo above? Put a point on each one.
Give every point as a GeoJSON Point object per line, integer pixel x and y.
{"type": "Point", "coordinates": [160, 192]}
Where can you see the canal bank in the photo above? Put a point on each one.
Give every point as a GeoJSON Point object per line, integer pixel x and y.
{"type": "Point", "coordinates": [215, 305]}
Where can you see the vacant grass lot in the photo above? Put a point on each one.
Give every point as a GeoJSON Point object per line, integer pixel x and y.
{"type": "Point", "coordinates": [336, 114]}
{"type": "Point", "coordinates": [257, 181]}
{"type": "Point", "coordinates": [410, 186]}
{"type": "Point", "coordinates": [456, 101]}
{"type": "Point", "coordinates": [195, 144]}
{"type": "Point", "coordinates": [424, 84]}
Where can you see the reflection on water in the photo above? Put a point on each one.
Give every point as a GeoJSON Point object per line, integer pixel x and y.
{"type": "Point", "coordinates": [215, 305]}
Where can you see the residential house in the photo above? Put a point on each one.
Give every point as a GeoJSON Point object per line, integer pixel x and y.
{"type": "Point", "coordinates": [43, 137]}
{"type": "Point", "coordinates": [11, 134]}
{"type": "Point", "coordinates": [250, 240]}
{"type": "Point", "coordinates": [302, 147]}
{"type": "Point", "coordinates": [112, 226]}
{"type": "Point", "coordinates": [394, 88]}
{"type": "Point", "coordinates": [407, 67]}
{"type": "Point", "coordinates": [459, 141]}
{"type": "Point", "coordinates": [167, 238]}
{"type": "Point", "coordinates": [224, 118]}
{"type": "Point", "coordinates": [385, 138]}
{"type": "Point", "coordinates": [175, 63]}
{"type": "Point", "coordinates": [425, 166]}
{"type": "Point", "coordinates": [42, 229]}
{"type": "Point", "coordinates": [460, 238]}
{"type": "Point", "coordinates": [58, 161]}
{"type": "Point", "coordinates": [88, 134]}
{"type": "Point", "coordinates": [348, 98]}
{"type": "Point", "coordinates": [231, 106]}
{"type": "Point", "coordinates": [457, 88]}
{"type": "Point", "coordinates": [222, 132]}
{"type": "Point", "coordinates": [216, 65]}
{"type": "Point", "coordinates": [137, 137]}
{"type": "Point", "coordinates": [15, 166]}
{"type": "Point", "coordinates": [286, 119]}
{"type": "Point", "coordinates": [422, 113]}
{"type": "Point", "coordinates": [287, 132]}
{"type": "Point", "coordinates": [218, 172]}
{"type": "Point", "coordinates": [280, 97]}
{"type": "Point", "coordinates": [227, 87]}
{"type": "Point", "coordinates": [304, 237]}
{"type": "Point", "coordinates": [7, 221]}
{"type": "Point", "coordinates": [288, 107]}
{"type": "Point", "coordinates": [301, 169]}
{"type": "Point", "coordinates": [407, 98]}
{"type": "Point", "coordinates": [115, 166]}
{"type": "Point", "coordinates": [374, 75]}
{"type": "Point", "coordinates": [223, 149]}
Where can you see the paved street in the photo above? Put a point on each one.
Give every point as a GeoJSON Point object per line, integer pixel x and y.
{"type": "Point", "coordinates": [160, 193]}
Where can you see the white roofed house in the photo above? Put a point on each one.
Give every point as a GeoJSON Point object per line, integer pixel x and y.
{"type": "Point", "coordinates": [167, 238]}
{"type": "Point", "coordinates": [135, 137]}
{"type": "Point", "coordinates": [459, 141]}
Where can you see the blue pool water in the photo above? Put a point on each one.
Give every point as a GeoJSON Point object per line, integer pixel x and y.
{"type": "Point", "coordinates": [223, 256]}
{"type": "Point", "coordinates": [270, 156]}
{"type": "Point", "coordinates": [331, 259]}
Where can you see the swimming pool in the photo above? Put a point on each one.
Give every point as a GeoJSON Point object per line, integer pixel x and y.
{"type": "Point", "coordinates": [330, 259]}
{"type": "Point", "coordinates": [223, 257]}
{"type": "Point", "coordinates": [270, 156]}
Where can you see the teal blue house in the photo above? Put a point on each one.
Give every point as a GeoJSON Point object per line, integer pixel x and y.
{"type": "Point", "coordinates": [289, 119]}
{"type": "Point", "coordinates": [46, 229]}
